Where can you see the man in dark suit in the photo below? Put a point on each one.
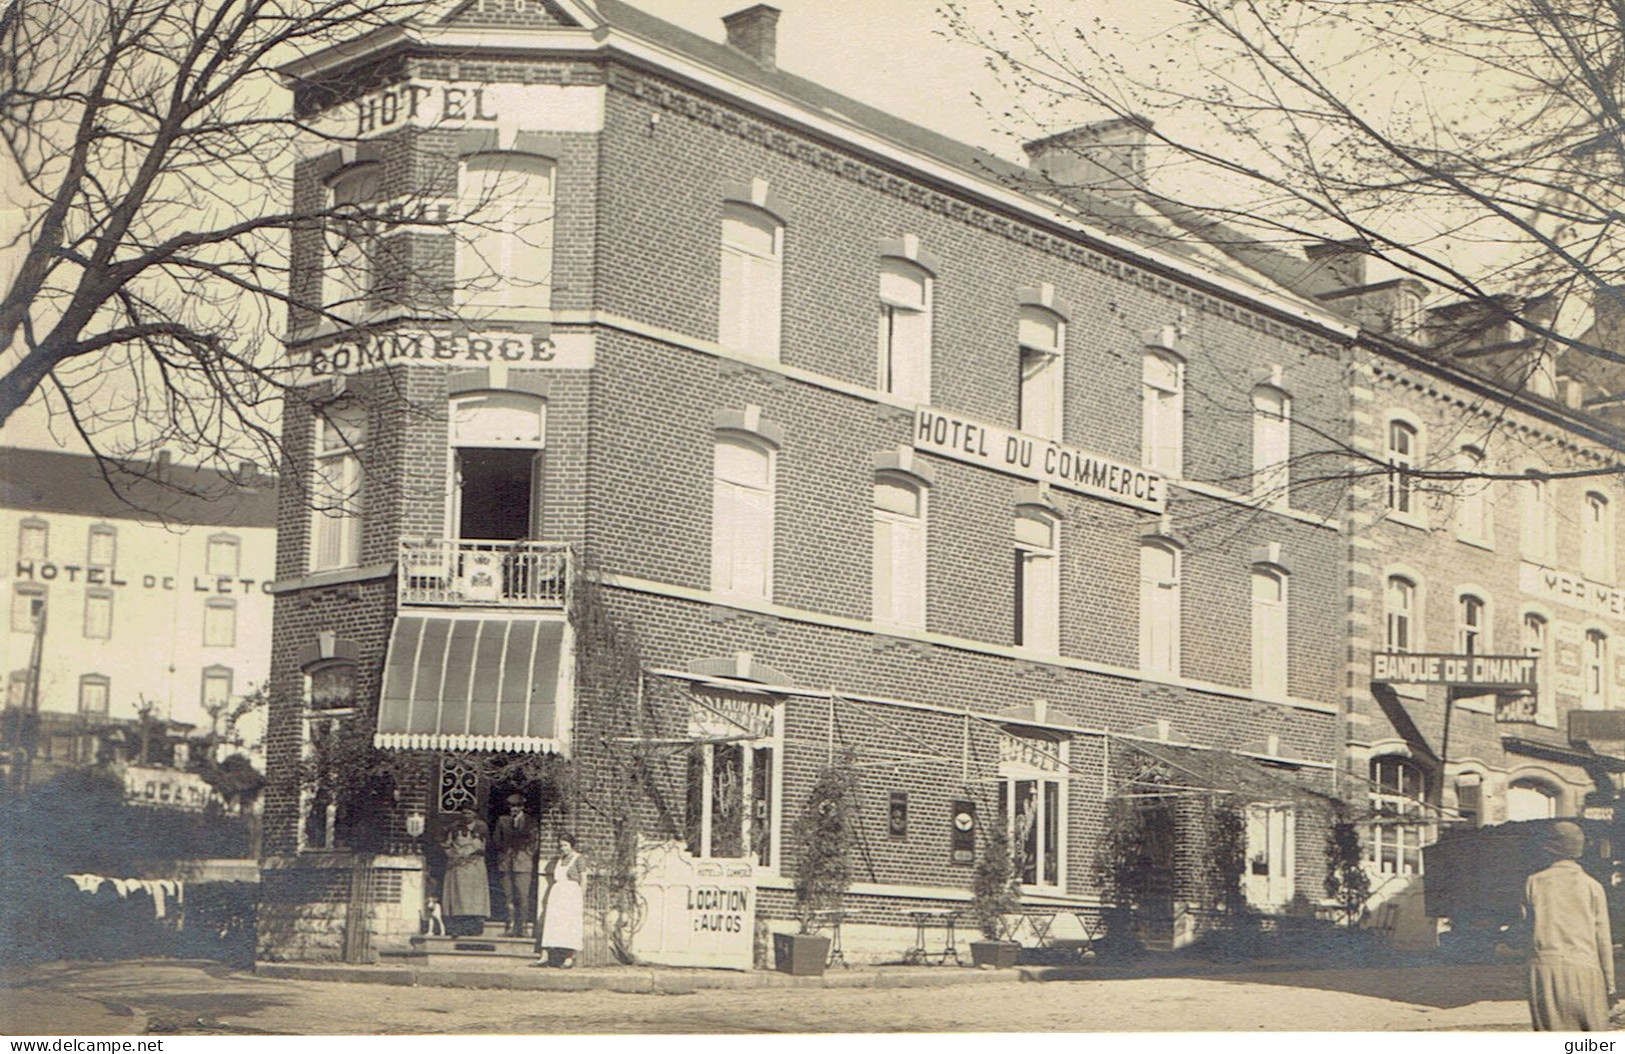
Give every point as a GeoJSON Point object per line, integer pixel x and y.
{"type": "Point", "coordinates": [516, 840]}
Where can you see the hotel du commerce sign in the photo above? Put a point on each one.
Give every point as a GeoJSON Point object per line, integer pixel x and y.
{"type": "Point", "coordinates": [1040, 460]}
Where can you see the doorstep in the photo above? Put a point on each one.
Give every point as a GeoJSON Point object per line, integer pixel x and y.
{"type": "Point", "coordinates": [634, 979]}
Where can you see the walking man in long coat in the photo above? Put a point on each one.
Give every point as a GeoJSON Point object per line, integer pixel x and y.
{"type": "Point", "coordinates": [1571, 947]}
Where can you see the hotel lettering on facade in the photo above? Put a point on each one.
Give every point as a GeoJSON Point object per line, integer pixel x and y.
{"type": "Point", "coordinates": [882, 462]}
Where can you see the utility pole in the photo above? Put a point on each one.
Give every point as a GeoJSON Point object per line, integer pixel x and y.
{"type": "Point", "coordinates": [28, 734]}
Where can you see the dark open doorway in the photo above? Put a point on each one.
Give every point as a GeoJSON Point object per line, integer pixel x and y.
{"type": "Point", "coordinates": [497, 492]}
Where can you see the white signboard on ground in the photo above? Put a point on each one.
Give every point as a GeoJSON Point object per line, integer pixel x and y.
{"type": "Point", "coordinates": [699, 912]}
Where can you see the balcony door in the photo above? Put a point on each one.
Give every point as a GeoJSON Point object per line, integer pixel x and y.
{"type": "Point", "coordinates": [497, 441]}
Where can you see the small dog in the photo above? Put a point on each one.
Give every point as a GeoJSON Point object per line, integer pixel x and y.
{"type": "Point", "coordinates": [436, 921]}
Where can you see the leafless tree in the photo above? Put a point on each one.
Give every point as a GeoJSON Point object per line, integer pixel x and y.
{"type": "Point", "coordinates": [147, 154]}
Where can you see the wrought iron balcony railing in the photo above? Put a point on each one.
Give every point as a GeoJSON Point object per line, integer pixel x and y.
{"type": "Point", "coordinates": [447, 572]}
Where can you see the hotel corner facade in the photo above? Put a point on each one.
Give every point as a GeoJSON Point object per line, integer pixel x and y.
{"type": "Point", "coordinates": [882, 463]}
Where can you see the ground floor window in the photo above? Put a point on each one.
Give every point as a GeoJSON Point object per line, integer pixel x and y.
{"type": "Point", "coordinates": [1032, 803]}
{"type": "Point", "coordinates": [1398, 791]}
{"type": "Point", "coordinates": [1529, 799]}
{"type": "Point", "coordinates": [730, 801]}
{"type": "Point", "coordinates": [1271, 845]}
{"type": "Point", "coordinates": [321, 779]}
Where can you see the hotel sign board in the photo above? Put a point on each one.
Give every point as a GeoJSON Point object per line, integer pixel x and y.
{"type": "Point", "coordinates": [1489, 672]}
{"type": "Point", "coordinates": [1038, 459]}
{"type": "Point", "coordinates": [1573, 590]}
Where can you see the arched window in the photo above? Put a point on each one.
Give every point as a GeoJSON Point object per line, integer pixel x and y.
{"type": "Point", "coordinates": [1163, 412]}
{"type": "Point", "coordinates": [1404, 451]}
{"type": "Point", "coordinates": [899, 551]}
{"type": "Point", "coordinates": [752, 281]}
{"type": "Point", "coordinates": [742, 518]}
{"type": "Point", "coordinates": [1531, 799]}
{"type": "Point", "coordinates": [1038, 588]}
{"type": "Point", "coordinates": [1596, 673]}
{"type": "Point", "coordinates": [905, 330]}
{"type": "Point", "coordinates": [1398, 791]}
{"type": "Point", "coordinates": [1474, 499]}
{"type": "Point", "coordinates": [507, 259]}
{"type": "Point", "coordinates": [1272, 445]}
{"type": "Point", "coordinates": [1536, 645]}
{"type": "Point", "coordinates": [352, 236]}
{"type": "Point", "coordinates": [1041, 335]}
{"type": "Point", "coordinates": [1400, 608]}
{"type": "Point", "coordinates": [1159, 606]}
{"type": "Point", "coordinates": [1472, 625]}
{"type": "Point", "coordinates": [336, 516]}
{"type": "Point", "coordinates": [1537, 519]}
{"type": "Point", "coordinates": [1597, 541]}
{"type": "Point", "coordinates": [1269, 631]}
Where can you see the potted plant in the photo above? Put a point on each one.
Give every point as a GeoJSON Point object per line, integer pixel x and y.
{"type": "Point", "coordinates": [827, 832]}
{"type": "Point", "coordinates": [995, 895]}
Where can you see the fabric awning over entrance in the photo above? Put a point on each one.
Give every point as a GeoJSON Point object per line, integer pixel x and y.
{"type": "Point", "coordinates": [465, 683]}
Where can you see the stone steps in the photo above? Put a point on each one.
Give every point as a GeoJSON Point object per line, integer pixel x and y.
{"type": "Point", "coordinates": [490, 950]}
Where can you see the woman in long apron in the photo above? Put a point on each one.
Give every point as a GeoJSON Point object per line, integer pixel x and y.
{"type": "Point", "coordinates": [560, 929]}
{"type": "Point", "coordinates": [465, 897]}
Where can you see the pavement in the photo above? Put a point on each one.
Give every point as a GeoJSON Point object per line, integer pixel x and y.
{"type": "Point", "coordinates": [178, 997]}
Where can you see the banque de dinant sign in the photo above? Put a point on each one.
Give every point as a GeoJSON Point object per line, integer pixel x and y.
{"type": "Point", "coordinates": [1476, 671]}
{"type": "Point", "coordinates": [1038, 459]}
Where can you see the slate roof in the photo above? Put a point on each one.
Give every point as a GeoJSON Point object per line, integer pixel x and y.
{"type": "Point", "coordinates": [47, 481]}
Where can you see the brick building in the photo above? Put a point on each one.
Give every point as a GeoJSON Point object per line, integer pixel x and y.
{"type": "Point", "coordinates": [144, 589]}
{"type": "Point", "coordinates": [883, 457]}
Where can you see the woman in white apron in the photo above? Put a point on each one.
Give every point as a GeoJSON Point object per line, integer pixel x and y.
{"type": "Point", "coordinates": [560, 927]}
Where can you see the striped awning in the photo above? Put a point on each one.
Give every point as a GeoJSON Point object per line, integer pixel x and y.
{"type": "Point", "coordinates": [467, 683]}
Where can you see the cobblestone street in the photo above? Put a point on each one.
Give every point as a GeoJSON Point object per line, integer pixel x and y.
{"type": "Point", "coordinates": [164, 997]}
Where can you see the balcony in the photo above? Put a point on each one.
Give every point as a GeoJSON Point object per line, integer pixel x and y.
{"type": "Point", "coordinates": [448, 573]}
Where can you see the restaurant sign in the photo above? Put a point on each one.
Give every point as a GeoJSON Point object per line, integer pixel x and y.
{"type": "Point", "coordinates": [1041, 460]}
{"type": "Point", "coordinates": [1490, 672]}
{"type": "Point", "coordinates": [1027, 754]}
{"type": "Point", "coordinates": [720, 713]}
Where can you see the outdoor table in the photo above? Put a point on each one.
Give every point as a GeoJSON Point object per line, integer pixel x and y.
{"type": "Point", "coordinates": [919, 955]}
{"type": "Point", "coordinates": [833, 917]}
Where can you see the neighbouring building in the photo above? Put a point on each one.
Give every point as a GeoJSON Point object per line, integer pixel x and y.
{"type": "Point", "coordinates": [754, 431]}
{"type": "Point", "coordinates": [138, 611]}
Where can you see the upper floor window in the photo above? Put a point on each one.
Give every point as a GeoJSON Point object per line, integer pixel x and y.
{"type": "Point", "coordinates": [1595, 662]}
{"type": "Point", "coordinates": [498, 465]}
{"type": "Point", "coordinates": [742, 518]}
{"type": "Point", "coordinates": [101, 547]}
{"type": "Point", "coordinates": [1272, 445]}
{"type": "Point", "coordinates": [223, 556]}
{"type": "Point", "coordinates": [336, 516]}
{"type": "Point", "coordinates": [1041, 336]}
{"type": "Point", "coordinates": [1472, 625]}
{"type": "Point", "coordinates": [1536, 645]}
{"type": "Point", "coordinates": [905, 330]}
{"type": "Point", "coordinates": [352, 236]}
{"type": "Point", "coordinates": [1269, 631]}
{"type": "Point", "coordinates": [33, 540]}
{"type": "Point", "coordinates": [1537, 520]}
{"type": "Point", "coordinates": [1474, 501]}
{"type": "Point", "coordinates": [1159, 606]}
{"type": "Point", "coordinates": [27, 606]}
{"type": "Point", "coordinates": [93, 693]}
{"type": "Point", "coordinates": [1404, 450]}
{"type": "Point", "coordinates": [1597, 541]}
{"type": "Point", "coordinates": [1400, 607]}
{"type": "Point", "coordinates": [507, 257]}
{"type": "Point", "coordinates": [98, 614]}
{"type": "Point", "coordinates": [899, 552]}
{"type": "Point", "coordinates": [752, 281]}
{"type": "Point", "coordinates": [1037, 580]}
{"type": "Point", "coordinates": [220, 623]}
{"type": "Point", "coordinates": [1163, 395]}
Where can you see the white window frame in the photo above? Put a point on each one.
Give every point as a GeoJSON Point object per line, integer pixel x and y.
{"type": "Point", "coordinates": [1596, 662]}
{"type": "Point", "coordinates": [1474, 623]}
{"type": "Point", "coordinates": [220, 630]}
{"type": "Point", "coordinates": [1535, 628]}
{"type": "Point", "coordinates": [224, 556]}
{"type": "Point", "coordinates": [730, 500]}
{"type": "Point", "coordinates": [96, 681]}
{"type": "Point", "coordinates": [901, 543]}
{"type": "Point", "coordinates": [101, 531]}
{"type": "Point", "coordinates": [98, 614]}
{"type": "Point", "coordinates": [1597, 540]}
{"type": "Point", "coordinates": [216, 673]}
{"type": "Point", "coordinates": [337, 520]}
{"type": "Point", "coordinates": [28, 531]}
{"type": "Point", "coordinates": [707, 818]}
{"type": "Point", "coordinates": [23, 597]}
{"type": "Point", "coordinates": [1407, 836]}
{"type": "Point", "coordinates": [350, 246]}
{"type": "Point", "coordinates": [1272, 446]}
{"type": "Point", "coordinates": [1041, 372]}
{"type": "Point", "coordinates": [1403, 456]}
{"type": "Point", "coordinates": [1539, 534]}
{"type": "Point", "coordinates": [506, 260]}
{"type": "Point", "coordinates": [1162, 388]}
{"type": "Point", "coordinates": [1037, 580]}
{"type": "Point", "coordinates": [1272, 848]}
{"type": "Point", "coordinates": [1401, 621]}
{"type": "Point", "coordinates": [1161, 607]}
{"type": "Point", "coordinates": [464, 408]}
{"type": "Point", "coordinates": [904, 370]}
{"type": "Point", "coordinates": [1271, 619]}
{"type": "Point", "coordinates": [1525, 790]}
{"type": "Point", "coordinates": [307, 793]}
{"type": "Point", "coordinates": [1475, 500]}
{"type": "Point", "coordinates": [750, 302]}
{"type": "Point", "coordinates": [1049, 789]}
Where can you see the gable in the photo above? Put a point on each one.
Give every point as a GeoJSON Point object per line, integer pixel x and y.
{"type": "Point", "coordinates": [513, 14]}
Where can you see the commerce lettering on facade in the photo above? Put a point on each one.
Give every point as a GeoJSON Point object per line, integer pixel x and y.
{"type": "Point", "coordinates": [446, 349]}
{"type": "Point", "coordinates": [1038, 459]}
{"type": "Point", "coordinates": [1485, 671]}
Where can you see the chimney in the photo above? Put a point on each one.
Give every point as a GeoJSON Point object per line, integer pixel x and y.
{"type": "Point", "coordinates": [160, 466]}
{"type": "Point", "coordinates": [754, 31]}
{"type": "Point", "coordinates": [1608, 318]}
{"type": "Point", "coordinates": [248, 473]}
{"type": "Point", "coordinates": [1104, 160]}
{"type": "Point", "coordinates": [1337, 265]}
